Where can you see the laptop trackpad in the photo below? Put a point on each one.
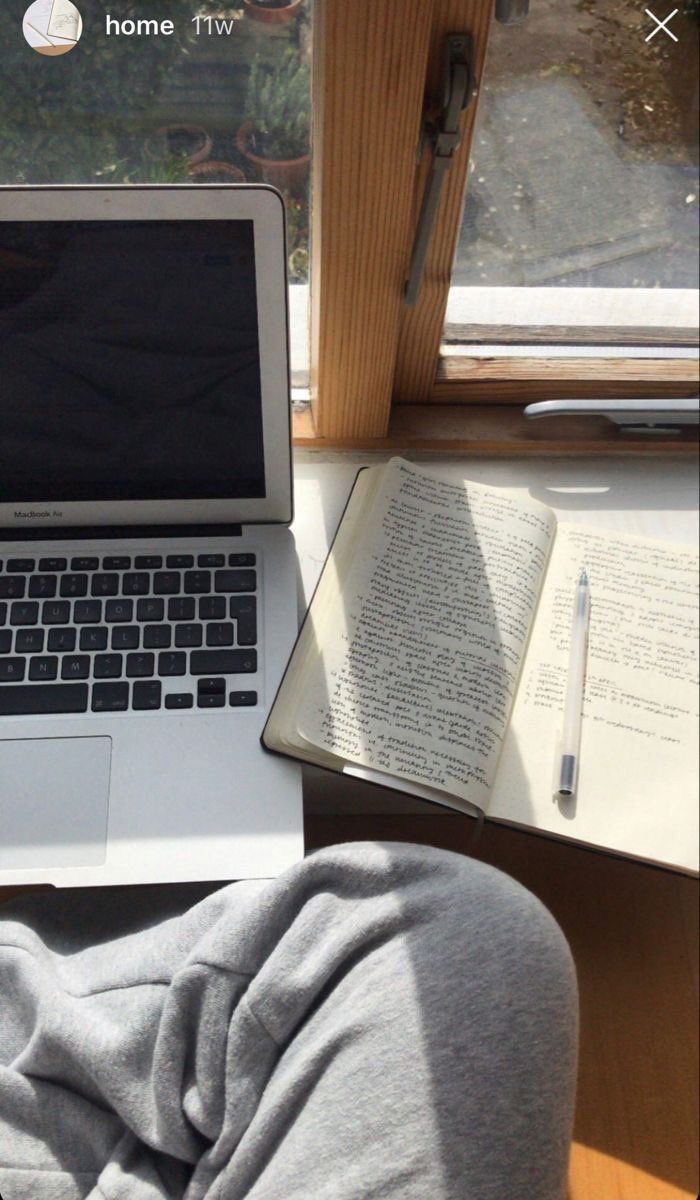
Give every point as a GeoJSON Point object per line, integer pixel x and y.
{"type": "Point", "coordinates": [54, 797]}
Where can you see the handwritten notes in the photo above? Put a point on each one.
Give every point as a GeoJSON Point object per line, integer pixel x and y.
{"type": "Point", "coordinates": [430, 630]}
{"type": "Point", "coordinates": [642, 653]}
{"type": "Point", "coordinates": [638, 772]}
{"type": "Point", "coordinates": [435, 657]}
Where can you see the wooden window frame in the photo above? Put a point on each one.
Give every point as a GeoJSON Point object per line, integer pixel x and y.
{"type": "Point", "coordinates": [373, 360]}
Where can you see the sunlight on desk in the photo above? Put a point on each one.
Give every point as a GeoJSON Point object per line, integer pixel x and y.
{"type": "Point", "coordinates": [593, 1174]}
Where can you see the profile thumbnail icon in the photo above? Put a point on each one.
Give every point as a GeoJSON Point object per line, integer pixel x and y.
{"type": "Point", "coordinates": [52, 26]}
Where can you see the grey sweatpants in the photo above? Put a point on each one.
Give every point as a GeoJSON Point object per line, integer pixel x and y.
{"type": "Point", "coordinates": [382, 1022]}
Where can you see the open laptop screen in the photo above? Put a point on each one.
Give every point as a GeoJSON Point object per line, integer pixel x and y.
{"type": "Point", "coordinates": [129, 361]}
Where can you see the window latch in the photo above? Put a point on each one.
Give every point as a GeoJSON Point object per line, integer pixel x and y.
{"type": "Point", "coordinates": [653, 417]}
{"type": "Point", "coordinates": [444, 136]}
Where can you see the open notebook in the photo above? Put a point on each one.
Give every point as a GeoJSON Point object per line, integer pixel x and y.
{"type": "Point", "coordinates": [434, 659]}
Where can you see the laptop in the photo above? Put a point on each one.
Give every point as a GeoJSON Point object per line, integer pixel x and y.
{"type": "Point", "coordinates": [148, 579]}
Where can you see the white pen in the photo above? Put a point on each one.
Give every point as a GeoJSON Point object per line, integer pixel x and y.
{"type": "Point", "coordinates": [568, 754]}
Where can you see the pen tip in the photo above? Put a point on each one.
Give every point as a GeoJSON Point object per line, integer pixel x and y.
{"type": "Point", "coordinates": [583, 579]}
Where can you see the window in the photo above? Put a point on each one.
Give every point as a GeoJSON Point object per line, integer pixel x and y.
{"type": "Point", "coordinates": [542, 322]}
{"type": "Point", "coordinates": [173, 91]}
{"type": "Point", "coordinates": [377, 363]}
{"type": "Point", "coordinates": [580, 219]}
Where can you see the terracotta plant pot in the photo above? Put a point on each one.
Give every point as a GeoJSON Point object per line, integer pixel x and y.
{"type": "Point", "coordinates": [284, 173]}
{"type": "Point", "coordinates": [164, 141]}
{"type": "Point", "coordinates": [272, 16]}
{"type": "Point", "coordinates": [213, 171]}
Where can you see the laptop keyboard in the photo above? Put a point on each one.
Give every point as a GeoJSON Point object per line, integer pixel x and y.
{"type": "Point", "coordinates": [120, 633]}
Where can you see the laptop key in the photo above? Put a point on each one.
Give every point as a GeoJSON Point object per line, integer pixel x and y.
{"type": "Point", "coordinates": [179, 560]}
{"type": "Point", "coordinates": [148, 562]}
{"type": "Point", "coordinates": [244, 609]}
{"type": "Point", "coordinates": [211, 685]}
{"type": "Point", "coordinates": [220, 634]}
{"type": "Point", "coordinates": [150, 610]}
{"type": "Point", "coordinates": [188, 635]}
{"type": "Point", "coordinates": [243, 699]}
{"type": "Point", "coordinates": [75, 666]}
{"type": "Point", "coordinates": [181, 608]}
{"type": "Point", "coordinates": [211, 693]}
{"type": "Point", "coordinates": [43, 667]}
{"type": "Point", "coordinates": [241, 560]}
{"type": "Point", "coordinates": [146, 694]}
{"type": "Point", "coordinates": [29, 699]}
{"type": "Point", "coordinates": [172, 662]}
{"type": "Point", "coordinates": [43, 587]}
{"type": "Point", "coordinates": [234, 581]}
{"type": "Point", "coordinates": [24, 612]}
{"type": "Point", "coordinates": [223, 662]}
{"type": "Point", "coordinates": [12, 587]}
{"type": "Point", "coordinates": [197, 582]}
{"type": "Point", "coordinates": [166, 583]}
{"type": "Point", "coordinates": [3, 612]}
{"type": "Point", "coordinates": [84, 563]}
{"type": "Point", "coordinates": [119, 610]}
{"type": "Point", "coordinates": [211, 560]}
{"type": "Point", "coordinates": [139, 665]}
{"type": "Point", "coordinates": [20, 565]}
{"type": "Point", "coordinates": [157, 637]}
{"type": "Point", "coordinates": [104, 584]}
{"type": "Point", "coordinates": [136, 583]}
{"type": "Point", "coordinates": [110, 697]}
{"type": "Point", "coordinates": [179, 700]}
{"type": "Point", "coordinates": [212, 608]}
{"type": "Point", "coordinates": [107, 666]}
{"type": "Point", "coordinates": [94, 638]}
{"type": "Point", "coordinates": [74, 585]}
{"type": "Point", "coordinates": [29, 641]}
{"type": "Point", "coordinates": [5, 641]}
{"type": "Point", "coordinates": [116, 563]}
{"type": "Point", "coordinates": [11, 670]}
{"type": "Point", "coordinates": [55, 612]}
{"type": "Point", "coordinates": [53, 564]}
{"type": "Point", "coordinates": [125, 637]}
{"type": "Point", "coordinates": [61, 639]}
{"type": "Point", "coordinates": [87, 612]}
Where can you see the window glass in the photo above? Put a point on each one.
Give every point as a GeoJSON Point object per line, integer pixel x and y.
{"type": "Point", "coordinates": [165, 92]}
{"type": "Point", "coordinates": [581, 214]}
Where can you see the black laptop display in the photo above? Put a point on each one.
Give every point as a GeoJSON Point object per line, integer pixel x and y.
{"type": "Point", "coordinates": [130, 362]}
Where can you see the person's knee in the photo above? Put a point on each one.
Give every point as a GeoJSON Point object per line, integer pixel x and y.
{"type": "Point", "coordinates": [468, 926]}
{"type": "Point", "coordinates": [467, 921]}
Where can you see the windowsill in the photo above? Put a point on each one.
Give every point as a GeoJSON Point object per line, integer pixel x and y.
{"type": "Point", "coordinates": [497, 431]}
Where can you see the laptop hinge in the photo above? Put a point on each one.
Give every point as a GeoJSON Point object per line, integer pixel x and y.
{"type": "Point", "coordinates": [73, 533]}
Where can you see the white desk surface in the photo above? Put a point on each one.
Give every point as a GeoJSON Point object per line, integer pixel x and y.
{"type": "Point", "coordinates": [652, 498]}
{"type": "Point", "coordinates": [647, 497]}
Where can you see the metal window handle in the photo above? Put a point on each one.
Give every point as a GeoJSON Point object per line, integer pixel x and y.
{"type": "Point", "coordinates": [647, 416]}
{"type": "Point", "coordinates": [444, 136]}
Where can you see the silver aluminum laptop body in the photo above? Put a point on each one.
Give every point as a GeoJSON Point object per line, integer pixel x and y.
{"type": "Point", "coordinates": [145, 494]}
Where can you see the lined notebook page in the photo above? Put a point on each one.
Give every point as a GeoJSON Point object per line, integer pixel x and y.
{"type": "Point", "coordinates": [638, 777]}
{"type": "Point", "coordinates": [419, 676]}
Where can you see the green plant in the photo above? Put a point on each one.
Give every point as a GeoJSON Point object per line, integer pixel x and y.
{"type": "Point", "coordinates": [80, 117]}
{"type": "Point", "coordinates": [42, 155]}
{"type": "Point", "coordinates": [278, 106]}
{"type": "Point", "coordinates": [297, 210]}
{"type": "Point", "coordinates": [171, 168]}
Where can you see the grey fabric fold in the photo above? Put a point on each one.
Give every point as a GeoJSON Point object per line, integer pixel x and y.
{"type": "Point", "coordinates": [380, 1021]}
